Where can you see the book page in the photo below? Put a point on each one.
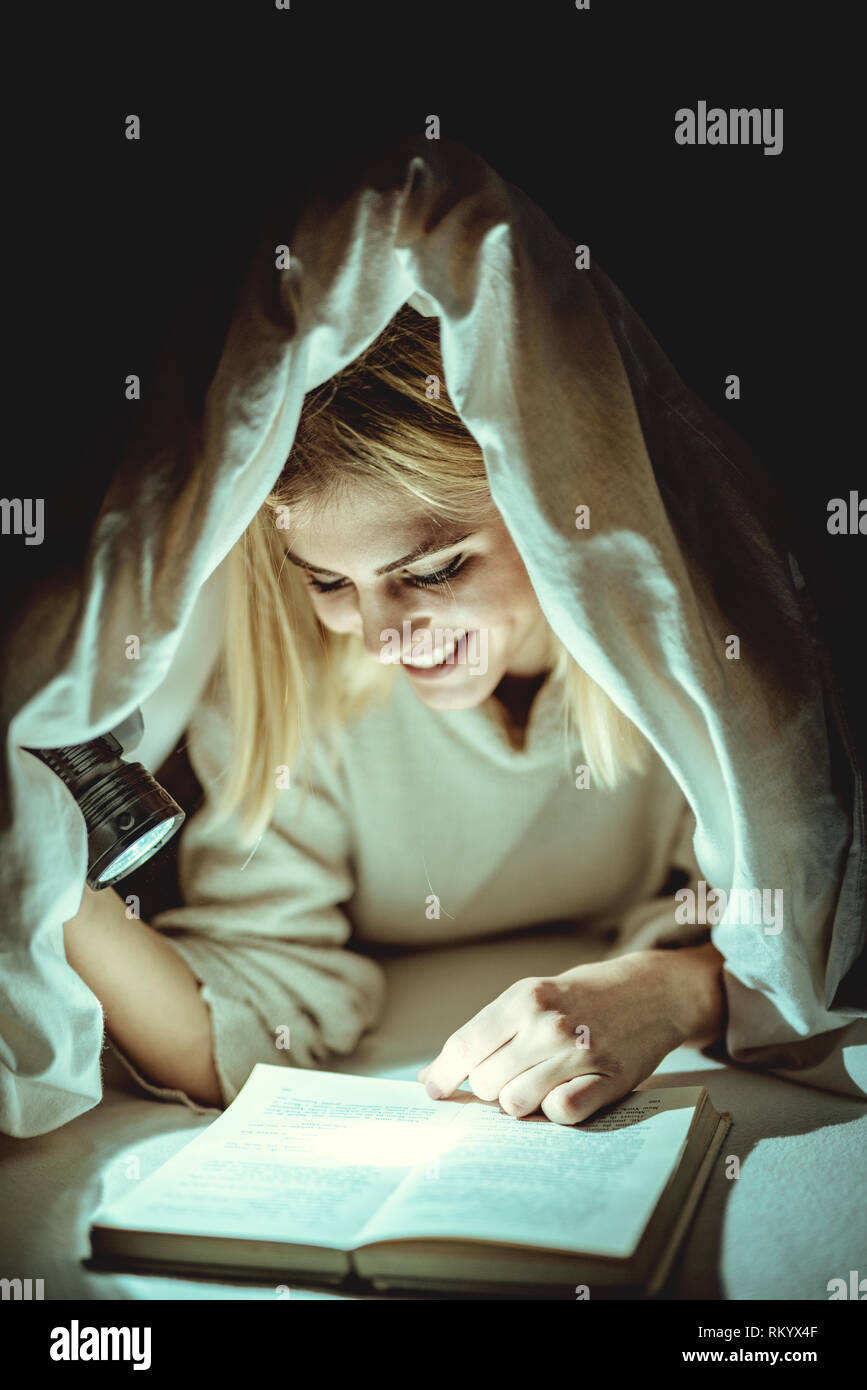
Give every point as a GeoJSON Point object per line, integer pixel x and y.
{"type": "Point", "coordinates": [590, 1187]}
{"type": "Point", "coordinates": [299, 1156]}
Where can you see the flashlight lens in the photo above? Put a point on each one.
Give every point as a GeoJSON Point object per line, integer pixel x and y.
{"type": "Point", "coordinates": [138, 851]}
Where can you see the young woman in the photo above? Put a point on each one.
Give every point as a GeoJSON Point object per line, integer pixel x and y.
{"type": "Point", "coordinates": [395, 748]}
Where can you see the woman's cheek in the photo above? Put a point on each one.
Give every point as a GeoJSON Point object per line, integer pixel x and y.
{"type": "Point", "coordinates": [487, 607]}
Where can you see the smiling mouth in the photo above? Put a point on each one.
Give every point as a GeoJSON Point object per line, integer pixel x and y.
{"type": "Point", "coordinates": [424, 664]}
{"type": "Point", "coordinates": [427, 663]}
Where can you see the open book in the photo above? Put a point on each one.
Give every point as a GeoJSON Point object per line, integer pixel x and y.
{"type": "Point", "coordinates": [319, 1177]}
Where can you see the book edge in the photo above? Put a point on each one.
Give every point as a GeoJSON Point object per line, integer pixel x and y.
{"type": "Point", "coordinates": [684, 1220]}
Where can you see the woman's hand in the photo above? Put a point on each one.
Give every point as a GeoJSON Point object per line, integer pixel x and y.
{"type": "Point", "coordinates": [573, 1042]}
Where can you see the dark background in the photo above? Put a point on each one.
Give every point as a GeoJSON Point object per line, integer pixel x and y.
{"type": "Point", "coordinates": [737, 261]}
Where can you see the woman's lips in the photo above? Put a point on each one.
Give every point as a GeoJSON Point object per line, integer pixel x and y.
{"type": "Point", "coordinates": [456, 657]}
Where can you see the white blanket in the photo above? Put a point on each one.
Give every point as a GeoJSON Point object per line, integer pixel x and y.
{"type": "Point", "coordinates": [573, 404]}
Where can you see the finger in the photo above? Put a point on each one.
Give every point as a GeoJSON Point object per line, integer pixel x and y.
{"type": "Point", "coordinates": [422, 1073]}
{"type": "Point", "coordinates": [523, 1092]}
{"type": "Point", "coordinates": [467, 1048]}
{"type": "Point", "coordinates": [578, 1099]}
{"type": "Point", "coordinates": [529, 1051]}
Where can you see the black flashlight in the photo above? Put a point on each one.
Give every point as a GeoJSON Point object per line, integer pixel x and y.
{"type": "Point", "coordinates": [128, 815]}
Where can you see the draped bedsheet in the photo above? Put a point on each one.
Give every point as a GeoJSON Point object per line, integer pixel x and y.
{"type": "Point", "coordinates": [574, 406]}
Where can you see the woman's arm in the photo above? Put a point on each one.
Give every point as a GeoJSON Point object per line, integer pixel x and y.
{"type": "Point", "coordinates": [264, 933]}
{"type": "Point", "coordinates": [149, 995]}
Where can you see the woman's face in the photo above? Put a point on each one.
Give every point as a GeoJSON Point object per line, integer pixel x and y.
{"type": "Point", "coordinates": [459, 618]}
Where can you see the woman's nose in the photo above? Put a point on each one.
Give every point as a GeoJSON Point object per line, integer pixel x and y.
{"type": "Point", "coordinates": [383, 630]}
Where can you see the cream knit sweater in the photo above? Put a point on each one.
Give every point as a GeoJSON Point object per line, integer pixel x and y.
{"type": "Point", "coordinates": [433, 829]}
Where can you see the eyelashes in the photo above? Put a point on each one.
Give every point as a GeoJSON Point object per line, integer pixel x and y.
{"type": "Point", "coordinates": [439, 576]}
{"type": "Point", "coordinates": [421, 581]}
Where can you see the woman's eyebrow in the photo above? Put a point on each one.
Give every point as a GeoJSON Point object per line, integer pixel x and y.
{"type": "Point", "coordinates": [425, 549]}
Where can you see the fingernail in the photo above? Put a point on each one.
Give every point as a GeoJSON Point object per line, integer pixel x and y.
{"type": "Point", "coordinates": [433, 1090]}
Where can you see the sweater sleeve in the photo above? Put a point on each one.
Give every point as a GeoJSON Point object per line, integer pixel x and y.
{"type": "Point", "coordinates": [652, 922]}
{"type": "Point", "coordinates": [263, 930]}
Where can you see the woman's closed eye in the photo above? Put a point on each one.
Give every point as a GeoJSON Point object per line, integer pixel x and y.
{"type": "Point", "coordinates": [422, 581]}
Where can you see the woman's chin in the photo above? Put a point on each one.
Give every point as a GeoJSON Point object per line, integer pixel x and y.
{"type": "Point", "coordinates": [458, 690]}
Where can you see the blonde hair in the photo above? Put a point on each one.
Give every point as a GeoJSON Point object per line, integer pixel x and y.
{"type": "Point", "coordinates": [290, 680]}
